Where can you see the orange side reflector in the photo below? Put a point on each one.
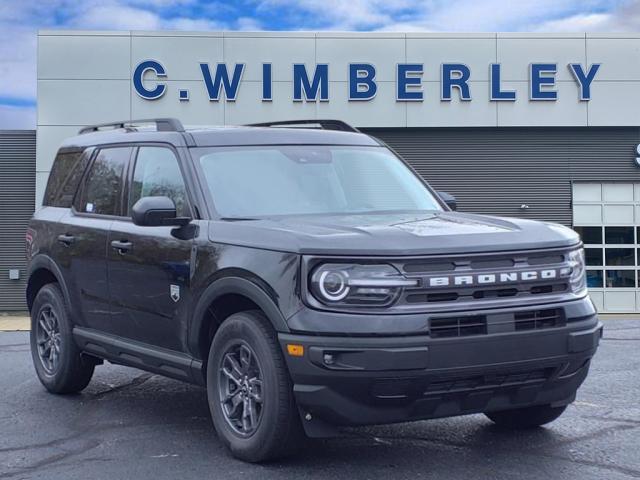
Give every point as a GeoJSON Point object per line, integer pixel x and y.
{"type": "Point", "coordinates": [295, 350]}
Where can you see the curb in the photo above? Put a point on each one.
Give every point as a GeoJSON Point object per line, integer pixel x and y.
{"type": "Point", "coordinates": [15, 324]}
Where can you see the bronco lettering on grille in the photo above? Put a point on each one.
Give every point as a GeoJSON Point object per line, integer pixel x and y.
{"type": "Point", "coordinates": [495, 278]}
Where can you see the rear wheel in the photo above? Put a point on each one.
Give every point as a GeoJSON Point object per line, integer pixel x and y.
{"type": "Point", "coordinates": [56, 357]}
{"type": "Point", "coordinates": [249, 391]}
{"type": "Point", "coordinates": [528, 417]}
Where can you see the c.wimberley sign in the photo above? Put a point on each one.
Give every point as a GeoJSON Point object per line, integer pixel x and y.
{"type": "Point", "coordinates": [224, 82]}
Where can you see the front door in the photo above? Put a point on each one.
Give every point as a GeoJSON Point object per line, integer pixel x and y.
{"type": "Point", "coordinates": [149, 268]}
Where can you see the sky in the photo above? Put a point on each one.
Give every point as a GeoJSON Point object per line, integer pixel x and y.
{"type": "Point", "coordinates": [21, 19]}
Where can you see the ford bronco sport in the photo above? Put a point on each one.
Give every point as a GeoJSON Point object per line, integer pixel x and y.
{"type": "Point", "coordinates": [308, 277]}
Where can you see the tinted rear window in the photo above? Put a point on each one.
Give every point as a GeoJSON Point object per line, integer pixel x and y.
{"type": "Point", "coordinates": [64, 178]}
{"type": "Point", "coordinates": [103, 186]}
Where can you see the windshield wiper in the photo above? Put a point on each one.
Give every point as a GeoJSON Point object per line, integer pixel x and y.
{"type": "Point", "coordinates": [237, 219]}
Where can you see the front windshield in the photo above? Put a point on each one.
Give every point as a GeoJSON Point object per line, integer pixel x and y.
{"type": "Point", "coordinates": [263, 181]}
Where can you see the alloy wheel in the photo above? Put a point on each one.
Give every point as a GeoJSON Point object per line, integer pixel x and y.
{"type": "Point", "coordinates": [48, 338]}
{"type": "Point", "coordinates": [240, 380]}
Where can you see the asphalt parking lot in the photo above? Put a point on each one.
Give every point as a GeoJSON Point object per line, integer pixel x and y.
{"type": "Point", "coordinates": [130, 424]}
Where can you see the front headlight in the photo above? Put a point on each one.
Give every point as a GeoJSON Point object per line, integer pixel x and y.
{"type": "Point", "coordinates": [357, 285]}
{"type": "Point", "coordinates": [578, 278]}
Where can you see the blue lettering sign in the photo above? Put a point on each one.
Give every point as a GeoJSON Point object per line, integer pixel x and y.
{"type": "Point", "coordinates": [584, 79]}
{"type": "Point", "coordinates": [409, 75]}
{"type": "Point", "coordinates": [538, 78]}
{"type": "Point", "coordinates": [455, 75]}
{"type": "Point", "coordinates": [362, 75]}
{"type": "Point", "coordinates": [496, 94]}
{"type": "Point", "coordinates": [313, 86]}
{"type": "Point", "coordinates": [138, 77]}
{"type": "Point", "coordinates": [266, 82]}
{"type": "Point", "coordinates": [221, 80]}
{"type": "Point", "coordinates": [308, 90]}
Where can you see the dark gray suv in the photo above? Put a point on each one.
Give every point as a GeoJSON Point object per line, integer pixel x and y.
{"type": "Point", "coordinates": [306, 276]}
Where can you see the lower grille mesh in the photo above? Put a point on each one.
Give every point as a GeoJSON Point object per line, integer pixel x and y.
{"type": "Point", "coordinates": [399, 388]}
{"type": "Point", "coordinates": [458, 326]}
{"type": "Point", "coordinates": [538, 319]}
{"type": "Point", "coordinates": [488, 381]}
{"type": "Point", "coordinates": [468, 325]}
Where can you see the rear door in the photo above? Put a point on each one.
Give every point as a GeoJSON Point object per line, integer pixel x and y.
{"type": "Point", "coordinates": [149, 268]}
{"type": "Point", "coordinates": [84, 231]}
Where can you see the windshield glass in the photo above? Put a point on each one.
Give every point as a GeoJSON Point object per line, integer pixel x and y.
{"type": "Point", "coordinates": [263, 181]}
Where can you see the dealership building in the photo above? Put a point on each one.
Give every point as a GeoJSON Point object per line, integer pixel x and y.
{"type": "Point", "coordinates": [540, 126]}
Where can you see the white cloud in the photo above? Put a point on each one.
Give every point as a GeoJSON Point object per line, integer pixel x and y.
{"type": "Point", "coordinates": [18, 62]}
{"type": "Point", "coordinates": [624, 19]}
{"type": "Point", "coordinates": [193, 24]}
{"type": "Point", "coordinates": [495, 15]}
{"type": "Point", "coordinates": [341, 14]}
{"type": "Point", "coordinates": [116, 17]}
{"type": "Point", "coordinates": [17, 118]}
{"type": "Point", "coordinates": [163, 3]}
{"type": "Point", "coordinates": [576, 23]}
{"type": "Point", "coordinates": [430, 15]}
{"type": "Point", "coordinates": [248, 24]}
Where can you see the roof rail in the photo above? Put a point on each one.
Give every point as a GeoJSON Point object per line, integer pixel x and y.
{"type": "Point", "coordinates": [162, 125]}
{"type": "Point", "coordinates": [322, 124]}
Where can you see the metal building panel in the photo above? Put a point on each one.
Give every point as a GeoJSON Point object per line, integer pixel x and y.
{"type": "Point", "coordinates": [17, 193]}
{"type": "Point", "coordinates": [499, 170]}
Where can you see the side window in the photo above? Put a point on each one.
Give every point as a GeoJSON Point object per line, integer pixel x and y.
{"type": "Point", "coordinates": [157, 174]}
{"type": "Point", "coordinates": [102, 190]}
{"type": "Point", "coordinates": [64, 178]}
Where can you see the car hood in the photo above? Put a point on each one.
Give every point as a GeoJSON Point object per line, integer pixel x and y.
{"type": "Point", "coordinates": [392, 234]}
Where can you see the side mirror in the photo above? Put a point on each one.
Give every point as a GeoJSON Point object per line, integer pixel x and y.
{"type": "Point", "coordinates": [156, 212]}
{"type": "Point", "coordinates": [449, 199]}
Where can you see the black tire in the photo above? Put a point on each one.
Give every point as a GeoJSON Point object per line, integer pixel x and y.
{"type": "Point", "coordinates": [277, 430]}
{"type": "Point", "coordinates": [528, 417]}
{"type": "Point", "coordinates": [70, 373]}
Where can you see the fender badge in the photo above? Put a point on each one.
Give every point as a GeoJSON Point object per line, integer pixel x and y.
{"type": "Point", "coordinates": [174, 292]}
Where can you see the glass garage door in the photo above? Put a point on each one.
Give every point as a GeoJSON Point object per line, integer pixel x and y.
{"type": "Point", "coordinates": [607, 216]}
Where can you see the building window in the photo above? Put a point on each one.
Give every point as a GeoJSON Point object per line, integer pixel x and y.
{"type": "Point", "coordinates": [591, 235]}
{"type": "Point", "coordinates": [621, 279]}
{"type": "Point", "coordinates": [619, 235]}
{"type": "Point", "coordinates": [594, 279]}
{"type": "Point", "coordinates": [612, 256]}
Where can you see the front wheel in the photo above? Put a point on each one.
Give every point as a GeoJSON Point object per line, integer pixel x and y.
{"type": "Point", "coordinates": [528, 417]}
{"type": "Point", "coordinates": [249, 391]}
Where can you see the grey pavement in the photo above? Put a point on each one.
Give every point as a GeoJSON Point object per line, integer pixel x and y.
{"type": "Point", "coordinates": [132, 425]}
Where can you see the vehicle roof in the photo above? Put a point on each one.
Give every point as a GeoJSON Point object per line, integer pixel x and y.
{"type": "Point", "coordinates": [223, 136]}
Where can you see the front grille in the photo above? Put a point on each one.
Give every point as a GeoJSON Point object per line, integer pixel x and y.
{"type": "Point", "coordinates": [468, 325]}
{"type": "Point", "coordinates": [474, 266]}
{"type": "Point", "coordinates": [485, 293]}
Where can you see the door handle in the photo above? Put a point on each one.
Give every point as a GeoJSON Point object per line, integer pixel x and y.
{"type": "Point", "coordinates": [122, 246]}
{"type": "Point", "coordinates": [66, 239]}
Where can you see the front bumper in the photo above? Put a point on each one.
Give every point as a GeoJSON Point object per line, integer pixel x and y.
{"type": "Point", "coordinates": [374, 380]}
